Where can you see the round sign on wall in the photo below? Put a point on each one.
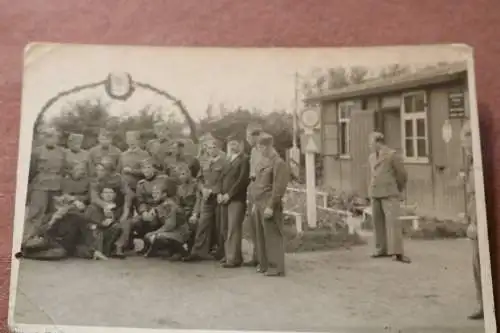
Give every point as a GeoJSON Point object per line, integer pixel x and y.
{"type": "Point", "coordinates": [310, 117]}
{"type": "Point", "coordinates": [447, 131]}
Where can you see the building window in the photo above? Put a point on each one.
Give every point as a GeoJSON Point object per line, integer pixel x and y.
{"type": "Point", "coordinates": [345, 109]}
{"type": "Point", "coordinates": [414, 127]}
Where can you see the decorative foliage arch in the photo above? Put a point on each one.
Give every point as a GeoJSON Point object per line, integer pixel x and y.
{"type": "Point", "coordinates": [121, 86]}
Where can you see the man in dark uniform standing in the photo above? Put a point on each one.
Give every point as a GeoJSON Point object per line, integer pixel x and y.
{"type": "Point", "coordinates": [208, 231]}
{"type": "Point", "coordinates": [235, 179]}
{"type": "Point", "coordinates": [271, 180]}
{"type": "Point", "coordinates": [160, 148]}
{"type": "Point", "coordinates": [129, 164]}
{"type": "Point", "coordinates": [48, 164]}
{"type": "Point", "coordinates": [104, 149]}
{"type": "Point", "coordinates": [75, 154]}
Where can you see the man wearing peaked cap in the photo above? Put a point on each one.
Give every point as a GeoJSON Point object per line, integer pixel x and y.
{"type": "Point", "coordinates": [75, 154]}
{"type": "Point", "coordinates": [129, 163]}
{"type": "Point", "coordinates": [271, 180]}
{"type": "Point", "coordinates": [178, 157]}
{"type": "Point", "coordinates": [47, 167]}
{"type": "Point", "coordinates": [104, 148]}
{"type": "Point", "coordinates": [159, 147]}
{"type": "Point", "coordinates": [253, 132]}
{"type": "Point", "coordinates": [208, 232]}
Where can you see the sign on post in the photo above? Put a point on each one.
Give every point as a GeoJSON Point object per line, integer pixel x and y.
{"type": "Point", "coordinates": [447, 131]}
{"type": "Point", "coordinates": [310, 119]}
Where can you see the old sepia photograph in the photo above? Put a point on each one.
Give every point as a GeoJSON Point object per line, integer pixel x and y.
{"type": "Point", "coordinates": [250, 189]}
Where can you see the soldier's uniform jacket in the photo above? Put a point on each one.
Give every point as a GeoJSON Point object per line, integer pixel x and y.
{"type": "Point", "coordinates": [123, 192]}
{"type": "Point", "coordinates": [271, 179]}
{"type": "Point", "coordinates": [78, 188]}
{"type": "Point", "coordinates": [172, 162]}
{"type": "Point", "coordinates": [144, 192]}
{"type": "Point", "coordinates": [97, 153]}
{"type": "Point", "coordinates": [159, 149]}
{"type": "Point", "coordinates": [74, 158]}
{"type": "Point", "coordinates": [212, 173]}
{"type": "Point", "coordinates": [132, 159]}
{"type": "Point", "coordinates": [388, 174]}
{"type": "Point", "coordinates": [189, 195]}
{"type": "Point", "coordinates": [47, 167]}
{"type": "Point", "coordinates": [254, 161]}
{"type": "Point", "coordinates": [173, 221]}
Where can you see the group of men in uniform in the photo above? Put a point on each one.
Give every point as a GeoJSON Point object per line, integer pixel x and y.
{"type": "Point", "coordinates": [96, 203]}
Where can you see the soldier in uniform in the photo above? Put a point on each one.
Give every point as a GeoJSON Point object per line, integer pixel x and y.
{"type": "Point", "coordinates": [106, 177]}
{"type": "Point", "coordinates": [253, 132]}
{"type": "Point", "coordinates": [173, 231]}
{"type": "Point", "coordinates": [234, 183]}
{"type": "Point", "coordinates": [178, 157]}
{"type": "Point", "coordinates": [189, 197]}
{"type": "Point", "coordinates": [75, 154]}
{"type": "Point", "coordinates": [145, 221]}
{"type": "Point", "coordinates": [472, 218]}
{"type": "Point", "coordinates": [388, 182]}
{"type": "Point", "coordinates": [208, 231]}
{"type": "Point", "coordinates": [47, 167]}
{"type": "Point", "coordinates": [76, 186]}
{"type": "Point", "coordinates": [104, 148]}
{"type": "Point", "coordinates": [271, 179]}
{"type": "Point", "coordinates": [129, 164]}
{"type": "Point", "coordinates": [160, 147]}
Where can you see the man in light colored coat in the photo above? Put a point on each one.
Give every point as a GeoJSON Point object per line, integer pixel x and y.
{"type": "Point", "coordinates": [388, 182]}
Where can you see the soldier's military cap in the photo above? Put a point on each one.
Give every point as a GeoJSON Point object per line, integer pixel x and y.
{"type": "Point", "coordinates": [254, 129]}
{"type": "Point", "coordinates": [160, 124]}
{"type": "Point", "coordinates": [75, 137]}
{"type": "Point", "coordinates": [265, 139]}
{"type": "Point", "coordinates": [147, 162]}
{"type": "Point", "coordinates": [377, 137]}
{"type": "Point", "coordinates": [133, 135]}
{"type": "Point", "coordinates": [236, 136]}
{"type": "Point", "coordinates": [179, 143]}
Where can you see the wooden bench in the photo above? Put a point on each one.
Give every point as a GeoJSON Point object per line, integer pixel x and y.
{"type": "Point", "coordinates": [415, 220]}
{"type": "Point", "coordinates": [298, 220]}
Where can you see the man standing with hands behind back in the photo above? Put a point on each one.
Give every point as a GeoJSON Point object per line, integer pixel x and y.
{"type": "Point", "coordinates": [388, 182]}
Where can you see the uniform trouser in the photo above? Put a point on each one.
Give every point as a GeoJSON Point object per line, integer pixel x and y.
{"type": "Point", "coordinates": [388, 229]}
{"type": "Point", "coordinates": [233, 214]}
{"type": "Point", "coordinates": [270, 239]}
{"type": "Point", "coordinates": [41, 202]}
{"type": "Point", "coordinates": [106, 238]}
{"type": "Point", "coordinates": [51, 250]}
{"type": "Point", "coordinates": [206, 229]}
{"type": "Point", "coordinates": [476, 267]}
{"type": "Point", "coordinates": [252, 227]}
{"type": "Point", "coordinates": [131, 228]}
{"type": "Point", "coordinates": [161, 241]}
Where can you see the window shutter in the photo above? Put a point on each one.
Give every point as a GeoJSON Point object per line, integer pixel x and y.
{"type": "Point", "coordinates": [330, 131]}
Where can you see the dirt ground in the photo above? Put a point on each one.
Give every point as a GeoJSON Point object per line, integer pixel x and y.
{"type": "Point", "coordinates": [323, 291]}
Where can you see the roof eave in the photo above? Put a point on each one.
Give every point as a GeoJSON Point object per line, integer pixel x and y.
{"type": "Point", "coordinates": [388, 88]}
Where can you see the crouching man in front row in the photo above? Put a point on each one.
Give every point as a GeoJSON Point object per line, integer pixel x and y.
{"type": "Point", "coordinates": [63, 234]}
{"type": "Point", "coordinates": [174, 231]}
{"type": "Point", "coordinates": [271, 180]}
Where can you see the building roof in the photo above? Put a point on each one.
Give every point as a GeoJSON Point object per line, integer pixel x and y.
{"type": "Point", "coordinates": [437, 75]}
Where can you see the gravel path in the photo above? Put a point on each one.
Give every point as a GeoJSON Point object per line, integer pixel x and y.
{"type": "Point", "coordinates": [326, 291]}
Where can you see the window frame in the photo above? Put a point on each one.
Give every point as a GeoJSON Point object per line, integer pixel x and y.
{"type": "Point", "coordinates": [347, 121]}
{"type": "Point", "coordinates": [414, 116]}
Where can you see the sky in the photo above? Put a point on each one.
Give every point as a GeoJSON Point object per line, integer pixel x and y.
{"type": "Point", "coordinates": [247, 77]}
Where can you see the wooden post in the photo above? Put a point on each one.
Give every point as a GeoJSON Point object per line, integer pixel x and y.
{"type": "Point", "coordinates": [311, 189]}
